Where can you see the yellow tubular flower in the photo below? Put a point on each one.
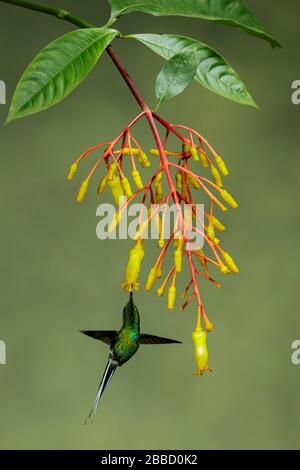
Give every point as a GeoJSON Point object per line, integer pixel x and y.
{"type": "Point", "coordinates": [159, 272]}
{"type": "Point", "coordinates": [200, 351]}
{"type": "Point", "coordinates": [134, 151]}
{"type": "Point", "coordinates": [145, 162]}
{"type": "Point", "coordinates": [179, 180]}
{"type": "Point", "coordinates": [126, 186]}
{"type": "Point", "coordinates": [159, 195]}
{"type": "Point", "coordinates": [229, 199]}
{"type": "Point", "coordinates": [194, 182]}
{"type": "Point", "coordinates": [137, 179]}
{"type": "Point", "coordinates": [203, 160]}
{"type": "Point", "coordinates": [217, 224]}
{"type": "Point", "coordinates": [136, 256]}
{"type": "Point", "coordinates": [111, 171]}
{"type": "Point", "coordinates": [178, 256]}
{"type": "Point", "coordinates": [194, 153]}
{"type": "Point", "coordinates": [160, 291]}
{"type": "Point", "coordinates": [178, 260]}
{"type": "Point", "coordinates": [159, 225]}
{"type": "Point", "coordinates": [222, 207]}
{"type": "Point", "coordinates": [102, 184]}
{"type": "Point", "coordinates": [222, 165]}
{"type": "Point", "coordinates": [216, 176]}
{"type": "Point", "coordinates": [210, 232]}
{"type": "Point", "coordinates": [186, 148]}
{"type": "Point", "coordinates": [209, 326]}
{"type": "Point", "coordinates": [158, 179]}
{"type": "Point", "coordinates": [171, 297]}
{"type": "Point", "coordinates": [154, 152]}
{"type": "Point", "coordinates": [230, 263]}
{"type": "Point", "coordinates": [157, 154]}
{"type": "Point", "coordinates": [224, 269]}
{"type": "Point", "coordinates": [139, 158]}
{"type": "Point", "coordinates": [161, 243]}
{"type": "Point", "coordinates": [151, 279]}
{"type": "Point", "coordinates": [72, 171]}
{"type": "Point", "coordinates": [114, 223]}
{"type": "Point", "coordinates": [82, 190]}
{"type": "Point", "coordinates": [116, 188]}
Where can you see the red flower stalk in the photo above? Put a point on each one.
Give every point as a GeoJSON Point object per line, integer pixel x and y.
{"type": "Point", "coordinates": [180, 170]}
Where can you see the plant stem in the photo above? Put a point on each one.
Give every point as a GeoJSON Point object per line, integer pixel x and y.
{"type": "Point", "coordinates": [69, 17]}
{"type": "Point", "coordinates": [148, 113]}
{"type": "Point", "coordinates": [164, 160]}
{"type": "Point", "coordinates": [195, 284]}
{"type": "Point", "coordinates": [116, 60]}
{"type": "Point", "coordinates": [77, 21]}
{"type": "Point", "coordinates": [57, 12]}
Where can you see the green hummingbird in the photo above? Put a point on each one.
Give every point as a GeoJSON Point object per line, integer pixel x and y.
{"type": "Point", "coordinates": [123, 345]}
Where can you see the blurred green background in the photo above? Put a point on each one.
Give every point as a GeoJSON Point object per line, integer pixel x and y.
{"type": "Point", "coordinates": [57, 278]}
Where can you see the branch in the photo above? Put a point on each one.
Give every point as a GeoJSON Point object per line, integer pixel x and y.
{"type": "Point", "coordinates": [150, 116]}
{"type": "Point", "coordinates": [70, 18]}
{"type": "Point", "coordinates": [112, 54]}
{"type": "Point", "coordinates": [57, 12]}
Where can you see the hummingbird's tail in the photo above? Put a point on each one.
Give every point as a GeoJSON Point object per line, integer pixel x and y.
{"type": "Point", "coordinates": [108, 373]}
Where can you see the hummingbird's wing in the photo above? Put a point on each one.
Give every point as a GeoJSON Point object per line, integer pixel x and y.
{"type": "Point", "coordinates": [106, 337]}
{"type": "Point", "coordinates": [150, 339]}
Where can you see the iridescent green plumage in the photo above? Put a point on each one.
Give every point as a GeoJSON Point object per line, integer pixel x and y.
{"type": "Point", "coordinates": [123, 344]}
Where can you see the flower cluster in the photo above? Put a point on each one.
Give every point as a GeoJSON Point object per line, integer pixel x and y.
{"type": "Point", "coordinates": [183, 172]}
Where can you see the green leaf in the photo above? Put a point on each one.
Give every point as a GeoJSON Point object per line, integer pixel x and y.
{"type": "Point", "coordinates": [213, 72]}
{"type": "Point", "coordinates": [231, 12]}
{"type": "Point", "coordinates": [58, 69]}
{"type": "Point", "coordinates": [176, 75]}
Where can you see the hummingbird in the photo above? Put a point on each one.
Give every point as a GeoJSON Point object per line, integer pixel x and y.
{"type": "Point", "coordinates": [123, 345]}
